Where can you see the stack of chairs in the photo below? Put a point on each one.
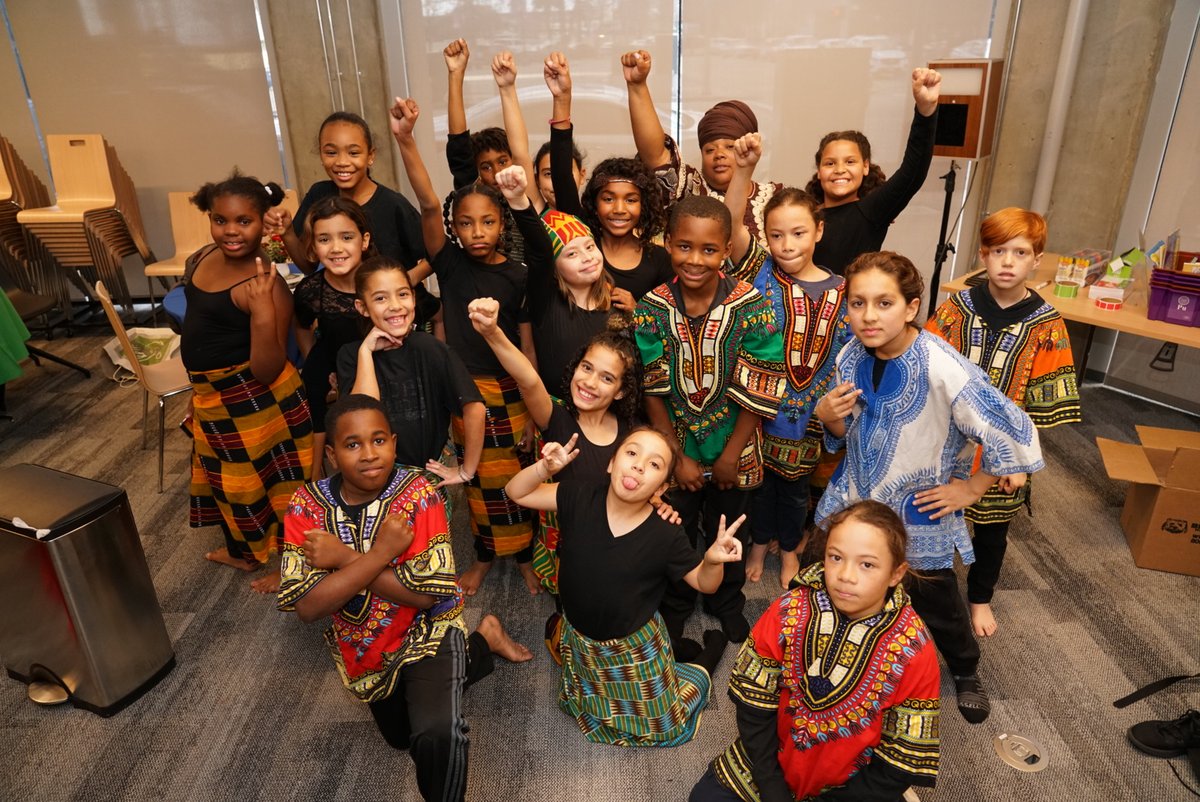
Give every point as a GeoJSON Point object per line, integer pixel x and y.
{"type": "Point", "coordinates": [33, 270]}
{"type": "Point", "coordinates": [95, 221]}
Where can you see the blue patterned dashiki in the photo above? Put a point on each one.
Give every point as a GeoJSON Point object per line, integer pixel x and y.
{"type": "Point", "coordinates": [918, 431]}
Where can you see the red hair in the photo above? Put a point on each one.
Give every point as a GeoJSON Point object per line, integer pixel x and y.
{"type": "Point", "coordinates": [1010, 223]}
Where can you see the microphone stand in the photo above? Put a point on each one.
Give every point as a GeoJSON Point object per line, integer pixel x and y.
{"type": "Point", "coordinates": [944, 248]}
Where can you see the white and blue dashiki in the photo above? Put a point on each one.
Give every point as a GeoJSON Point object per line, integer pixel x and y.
{"type": "Point", "coordinates": [918, 431]}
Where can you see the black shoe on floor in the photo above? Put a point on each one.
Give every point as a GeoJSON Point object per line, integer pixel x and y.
{"type": "Point", "coordinates": [735, 627]}
{"type": "Point", "coordinates": [972, 699]}
{"type": "Point", "coordinates": [686, 650]}
{"type": "Point", "coordinates": [1167, 738]}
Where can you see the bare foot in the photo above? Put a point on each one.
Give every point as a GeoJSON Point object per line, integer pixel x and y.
{"type": "Point", "coordinates": [773, 547]}
{"type": "Point", "coordinates": [982, 620]}
{"type": "Point", "coordinates": [472, 578]}
{"type": "Point", "coordinates": [754, 563]}
{"type": "Point", "coordinates": [789, 566]}
{"type": "Point", "coordinates": [223, 557]}
{"type": "Point", "coordinates": [531, 579]}
{"type": "Point", "coordinates": [500, 642]}
{"type": "Point", "coordinates": [267, 584]}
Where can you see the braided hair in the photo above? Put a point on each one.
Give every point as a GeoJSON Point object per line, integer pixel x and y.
{"type": "Point", "coordinates": [652, 218]}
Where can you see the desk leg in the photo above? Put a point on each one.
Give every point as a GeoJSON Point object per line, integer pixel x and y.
{"type": "Point", "coordinates": [1087, 349]}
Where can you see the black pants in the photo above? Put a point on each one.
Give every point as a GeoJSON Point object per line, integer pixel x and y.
{"type": "Point", "coordinates": [709, 789]}
{"type": "Point", "coordinates": [936, 598]}
{"type": "Point", "coordinates": [701, 511]}
{"type": "Point", "coordinates": [779, 507]}
{"type": "Point", "coordinates": [991, 541]}
{"type": "Point", "coordinates": [424, 713]}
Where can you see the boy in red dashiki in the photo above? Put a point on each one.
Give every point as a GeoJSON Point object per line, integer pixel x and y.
{"type": "Point", "coordinates": [1021, 342]}
{"type": "Point", "coordinates": [370, 547]}
{"type": "Point", "coordinates": [714, 369]}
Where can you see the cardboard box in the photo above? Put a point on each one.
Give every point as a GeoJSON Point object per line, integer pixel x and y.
{"type": "Point", "coordinates": [1161, 517]}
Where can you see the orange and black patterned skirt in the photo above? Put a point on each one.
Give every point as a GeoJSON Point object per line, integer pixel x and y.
{"type": "Point", "coordinates": [252, 450]}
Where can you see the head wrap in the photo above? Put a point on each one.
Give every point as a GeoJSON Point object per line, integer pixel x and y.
{"type": "Point", "coordinates": [561, 228]}
{"type": "Point", "coordinates": [729, 119]}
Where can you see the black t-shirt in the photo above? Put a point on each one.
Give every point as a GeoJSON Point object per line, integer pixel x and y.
{"type": "Point", "coordinates": [395, 222]}
{"type": "Point", "coordinates": [421, 384]}
{"type": "Point", "coordinates": [654, 269]}
{"type": "Point", "coordinates": [462, 280]}
{"type": "Point", "coordinates": [859, 227]}
{"type": "Point", "coordinates": [611, 586]}
{"type": "Point", "coordinates": [592, 463]}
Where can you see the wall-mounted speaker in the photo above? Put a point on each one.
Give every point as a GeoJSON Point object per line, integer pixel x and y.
{"type": "Point", "coordinates": [970, 93]}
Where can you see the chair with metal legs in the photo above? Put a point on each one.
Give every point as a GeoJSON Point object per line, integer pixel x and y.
{"type": "Point", "coordinates": [164, 380]}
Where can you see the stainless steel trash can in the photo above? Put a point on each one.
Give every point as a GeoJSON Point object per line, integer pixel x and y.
{"type": "Point", "coordinates": [79, 607]}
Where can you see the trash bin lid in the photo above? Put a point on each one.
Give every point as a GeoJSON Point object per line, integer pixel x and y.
{"type": "Point", "coordinates": [48, 499]}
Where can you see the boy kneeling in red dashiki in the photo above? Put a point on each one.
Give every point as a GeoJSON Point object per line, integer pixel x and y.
{"type": "Point", "coordinates": [370, 547]}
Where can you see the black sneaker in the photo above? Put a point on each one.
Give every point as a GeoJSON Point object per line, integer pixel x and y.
{"type": "Point", "coordinates": [735, 627]}
{"type": "Point", "coordinates": [1167, 738]}
{"type": "Point", "coordinates": [973, 700]}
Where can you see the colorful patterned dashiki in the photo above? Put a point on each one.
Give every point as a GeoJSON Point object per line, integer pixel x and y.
{"type": "Point", "coordinates": [371, 637]}
{"type": "Point", "coordinates": [847, 693]}
{"type": "Point", "coordinates": [919, 430]}
{"type": "Point", "coordinates": [814, 330]}
{"type": "Point", "coordinates": [630, 691]}
{"type": "Point", "coordinates": [252, 449]}
{"type": "Point", "coordinates": [732, 358]}
{"type": "Point", "coordinates": [504, 526]}
{"type": "Point", "coordinates": [1027, 355]}
{"type": "Point", "coordinates": [678, 178]}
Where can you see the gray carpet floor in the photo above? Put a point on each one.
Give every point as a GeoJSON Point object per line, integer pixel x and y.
{"type": "Point", "coordinates": [254, 709]}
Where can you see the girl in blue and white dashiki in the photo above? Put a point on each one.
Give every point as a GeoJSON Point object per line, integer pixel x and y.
{"type": "Point", "coordinates": [908, 410]}
{"type": "Point", "coordinates": [620, 680]}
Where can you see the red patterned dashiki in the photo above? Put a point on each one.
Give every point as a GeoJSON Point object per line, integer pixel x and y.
{"type": "Point", "coordinates": [371, 637]}
{"type": "Point", "coordinates": [846, 692]}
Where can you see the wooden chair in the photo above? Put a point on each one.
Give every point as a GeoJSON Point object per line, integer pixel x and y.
{"type": "Point", "coordinates": [190, 231]}
{"type": "Point", "coordinates": [164, 380]}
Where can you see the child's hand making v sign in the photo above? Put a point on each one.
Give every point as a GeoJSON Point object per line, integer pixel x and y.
{"type": "Point", "coordinates": [725, 548]}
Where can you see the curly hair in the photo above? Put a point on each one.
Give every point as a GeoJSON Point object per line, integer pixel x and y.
{"type": "Point", "coordinates": [263, 196]}
{"type": "Point", "coordinates": [652, 219]}
{"type": "Point", "coordinates": [872, 181]}
{"type": "Point", "coordinates": [618, 338]}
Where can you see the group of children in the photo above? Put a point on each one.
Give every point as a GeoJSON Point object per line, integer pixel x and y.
{"type": "Point", "coordinates": [679, 397]}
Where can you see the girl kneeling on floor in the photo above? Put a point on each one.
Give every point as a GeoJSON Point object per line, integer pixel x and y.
{"type": "Point", "coordinates": [836, 688]}
{"type": "Point", "coordinates": [616, 557]}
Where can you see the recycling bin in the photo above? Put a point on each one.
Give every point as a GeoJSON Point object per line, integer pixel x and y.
{"type": "Point", "coordinates": [80, 611]}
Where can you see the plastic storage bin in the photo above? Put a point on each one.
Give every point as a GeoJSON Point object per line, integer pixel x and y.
{"type": "Point", "coordinates": [1174, 298]}
{"type": "Point", "coordinates": [80, 610]}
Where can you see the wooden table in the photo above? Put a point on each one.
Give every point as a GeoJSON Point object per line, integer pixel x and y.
{"type": "Point", "coordinates": [1130, 318]}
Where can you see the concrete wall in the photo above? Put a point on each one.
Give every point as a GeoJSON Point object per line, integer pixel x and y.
{"type": "Point", "coordinates": [1122, 48]}
{"type": "Point", "coordinates": [307, 37]}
